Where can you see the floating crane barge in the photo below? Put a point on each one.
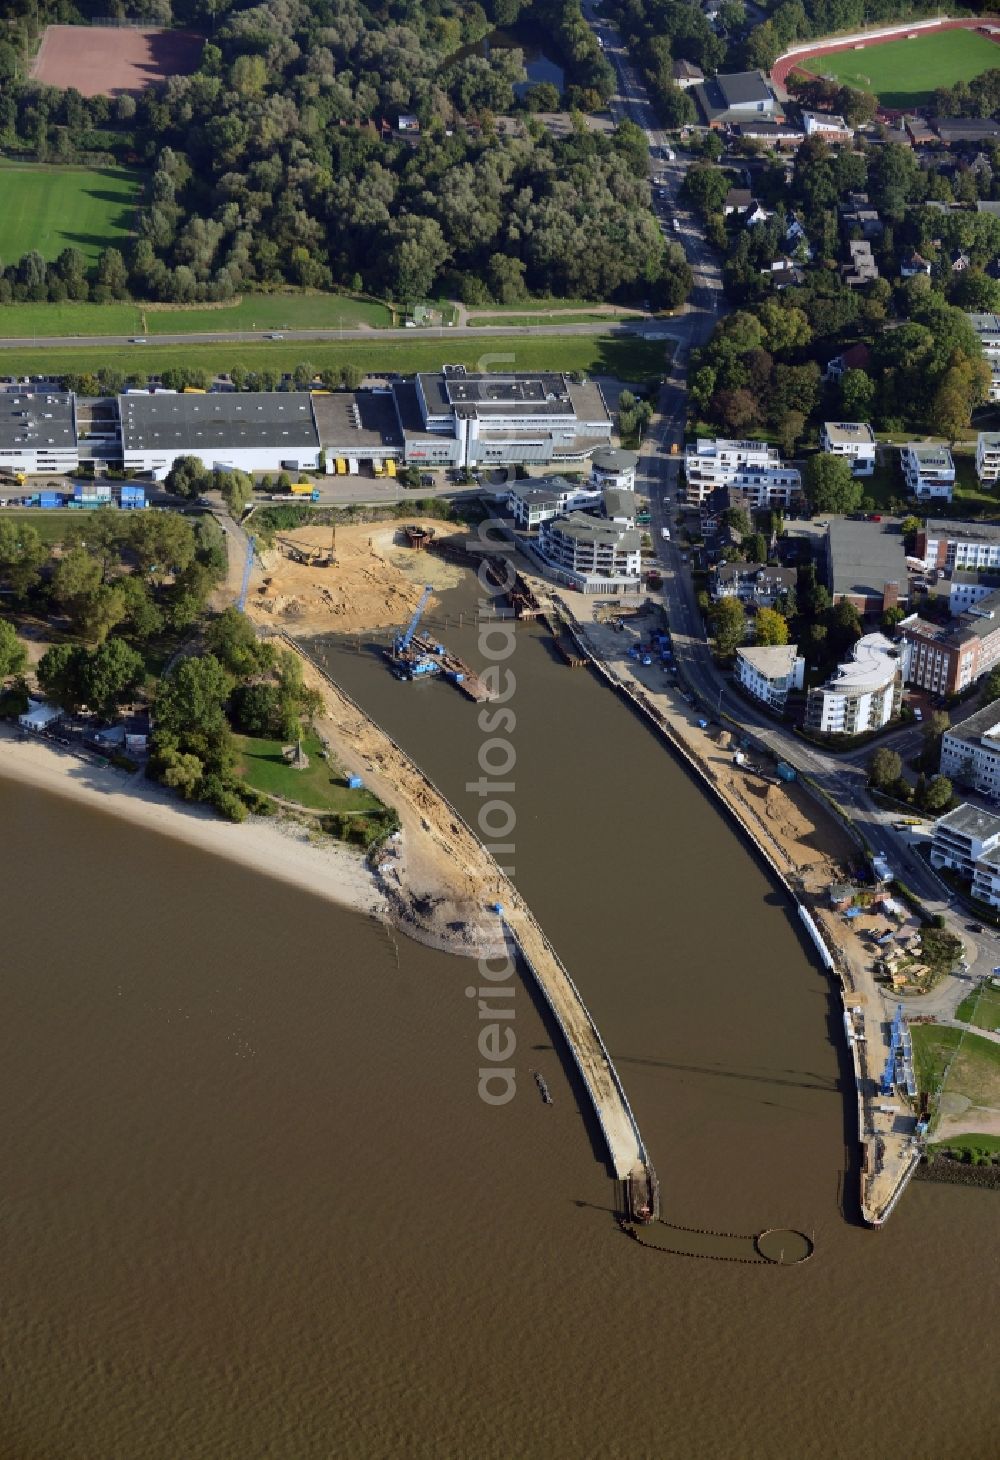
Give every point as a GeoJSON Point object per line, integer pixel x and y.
{"type": "Point", "coordinates": [414, 656]}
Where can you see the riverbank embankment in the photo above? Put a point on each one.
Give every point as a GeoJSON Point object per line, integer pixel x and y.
{"type": "Point", "coordinates": [805, 852]}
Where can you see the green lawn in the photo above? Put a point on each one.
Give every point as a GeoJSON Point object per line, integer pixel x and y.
{"type": "Point", "coordinates": [320, 787]}
{"type": "Point", "coordinates": [52, 208]}
{"type": "Point", "coordinates": [627, 357]}
{"type": "Point", "coordinates": [970, 1142]}
{"type": "Point", "coordinates": [975, 1072]}
{"type": "Point", "coordinates": [571, 317]}
{"type": "Point", "coordinates": [256, 311]}
{"type": "Point", "coordinates": [905, 74]}
{"type": "Point", "coordinates": [50, 525]}
{"type": "Point", "coordinates": [981, 1008]}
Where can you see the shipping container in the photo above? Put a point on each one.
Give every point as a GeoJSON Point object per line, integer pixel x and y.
{"type": "Point", "coordinates": [50, 499]}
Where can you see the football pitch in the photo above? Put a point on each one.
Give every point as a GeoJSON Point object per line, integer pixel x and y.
{"type": "Point", "coordinates": [904, 74]}
{"type": "Point", "coordinates": [52, 208]}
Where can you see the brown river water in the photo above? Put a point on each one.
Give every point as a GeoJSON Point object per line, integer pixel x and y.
{"type": "Point", "coordinates": [251, 1205]}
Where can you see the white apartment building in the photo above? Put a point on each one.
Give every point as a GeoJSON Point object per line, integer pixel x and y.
{"type": "Point", "coordinates": [970, 752]}
{"type": "Point", "coordinates": [986, 879]}
{"type": "Point", "coordinates": [752, 466]}
{"type": "Point", "coordinates": [962, 837]}
{"type": "Point", "coordinates": [988, 456]}
{"type": "Point", "coordinates": [590, 555]}
{"type": "Point", "coordinates": [854, 440]}
{"type": "Point", "coordinates": [612, 466]}
{"type": "Point", "coordinates": [929, 471]}
{"type": "Point", "coordinates": [954, 545]}
{"type": "Point", "coordinates": [987, 327]}
{"type": "Point", "coordinates": [770, 673]}
{"type": "Point", "coordinates": [38, 433]}
{"type": "Point", "coordinates": [531, 503]}
{"type": "Point", "coordinates": [863, 694]}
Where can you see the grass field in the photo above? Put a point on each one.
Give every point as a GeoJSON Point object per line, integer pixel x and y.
{"type": "Point", "coordinates": [626, 357]}
{"type": "Point", "coordinates": [975, 1072]}
{"type": "Point", "coordinates": [905, 73]}
{"type": "Point", "coordinates": [50, 526]}
{"type": "Point", "coordinates": [981, 1008]}
{"type": "Point", "coordinates": [320, 787]}
{"type": "Point", "coordinates": [52, 208]}
{"type": "Point", "coordinates": [256, 311]}
{"type": "Point", "coordinates": [969, 1143]}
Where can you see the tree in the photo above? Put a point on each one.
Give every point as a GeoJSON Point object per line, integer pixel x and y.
{"type": "Point", "coordinates": [232, 640]}
{"type": "Point", "coordinates": [60, 673]}
{"type": "Point", "coordinates": [237, 491]}
{"type": "Point", "coordinates": [991, 687]}
{"type": "Point", "coordinates": [182, 772]}
{"type": "Point", "coordinates": [884, 768]}
{"type": "Point", "coordinates": [857, 395]}
{"type": "Point", "coordinates": [13, 655]}
{"type": "Point", "coordinates": [771, 627]}
{"type": "Point", "coordinates": [937, 793]}
{"type": "Point", "coordinates": [75, 582]}
{"type": "Point", "coordinates": [729, 625]}
{"type": "Point", "coordinates": [755, 548]}
{"type": "Point", "coordinates": [111, 675]}
{"type": "Point", "coordinates": [933, 728]}
{"type": "Point", "coordinates": [163, 543]}
{"type": "Point", "coordinates": [187, 477]}
{"type": "Point", "coordinates": [909, 527]}
{"type": "Point", "coordinates": [844, 625]}
{"type": "Point", "coordinates": [892, 617]}
{"type": "Point", "coordinates": [790, 431]}
{"type": "Point", "coordinates": [829, 485]}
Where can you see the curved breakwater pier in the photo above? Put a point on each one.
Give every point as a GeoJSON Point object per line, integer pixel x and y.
{"type": "Point", "coordinates": [626, 1151]}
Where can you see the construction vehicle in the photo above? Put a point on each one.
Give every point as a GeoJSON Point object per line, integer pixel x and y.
{"type": "Point", "coordinates": [405, 663]}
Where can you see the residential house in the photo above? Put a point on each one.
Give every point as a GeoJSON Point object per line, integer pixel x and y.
{"type": "Point", "coordinates": [861, 267]}
{"type": "Point", "coordinates": [856, 357]}
{"type": "Point", "coordinates": [966, 587]}
{"type": "Point", "coordinates": [913, 263]}
{"type": "Point", "coordinates": [533, 502]}
{"type": "Point", "coordinates": [757, 583]}
{"type": "Point", "coordinates": [620, 506]}
{"type": "Point", "coordinates": [960, 261]}
{"type": "Point", "coordinates": [770, 673]}
{"type": "Point", "coordinates": [758, 214]}
{"type": "Point", "coordinates": [988, 457]}
{"type": "Point", "coordinates": [753, 466]}
{"type": "Point", "coordinates": [857, 213]}
{"type": "Point", "coordinates": [612, 466]}
{"type": "Point", "coordinates": [929, 471]}
{"type": "Point", "coordinates": [951, 545]}
{"type": "Point", "coordinates": [862, 694]}
{"type": "Point", "coordinates": [591, 556]}
{"type": "Point", "coordinates": [737, 200]}
{"type": "Point", "coordinates": [784, 273]}
{"type": "Point", "coordinates": [686, 74]}
{"type": "Point", "coordinates": [961, 837]}
{"type": "Point", "coordinates": [854, 440]}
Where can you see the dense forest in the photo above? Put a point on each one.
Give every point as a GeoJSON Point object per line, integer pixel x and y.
{"type": "Point", "coordinates": [280, 160]}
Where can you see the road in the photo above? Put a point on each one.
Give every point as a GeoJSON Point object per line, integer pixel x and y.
{"type": "Point", "coordinates": [373, 337]}
{"type": "Point", "coordinates": [842, 777]}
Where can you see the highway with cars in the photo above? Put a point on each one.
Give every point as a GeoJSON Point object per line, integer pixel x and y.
{"type": "Point", "coordinates": [843, 778]}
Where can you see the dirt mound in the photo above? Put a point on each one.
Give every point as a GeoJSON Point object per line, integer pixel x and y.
{"type": "Point", "coordinates": [375, 581]}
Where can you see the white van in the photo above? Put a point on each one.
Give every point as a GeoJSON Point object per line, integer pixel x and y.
{"type": "Point", "coordinates": [665, 533]}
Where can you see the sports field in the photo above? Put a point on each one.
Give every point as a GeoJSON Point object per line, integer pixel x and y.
{"type": "Point", "coordinates": [905, 74]}
{"type": "Point", "coordinates": [107, 60]}
{"type": "Point", "coordinates": [52, 208]}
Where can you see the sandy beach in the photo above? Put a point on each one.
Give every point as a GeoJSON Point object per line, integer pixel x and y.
{"type": "Point", "coordinates": [277, 848]}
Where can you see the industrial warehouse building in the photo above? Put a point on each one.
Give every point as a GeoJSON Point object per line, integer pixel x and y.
{"type": "Point", "coordinates": [452, 418]}
{"type": "Point", "coordinates": [38, 433]}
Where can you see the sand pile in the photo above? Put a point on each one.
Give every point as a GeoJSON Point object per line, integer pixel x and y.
{"type": "Point", "coordinates": [375, 581]}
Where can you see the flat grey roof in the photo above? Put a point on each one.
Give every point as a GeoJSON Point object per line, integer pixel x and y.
{"type": "Point", "coordinates": [34, 422]}
{"type": "Point", "coordinates": [848, 433]}
{"type": "Point", "coordinates": [410, 416]}
{"type": "Point", "coordinates": [741, 87]}
{"type": "Point", "coordinates": [969, 821]}
{"type": "Point", "coordinates": [619, 503]}
{"type": "Point", "coordinates": [348, 419]}
{"type": "Point", "coordinates": [482, 394]}
{"type": "Point", "coordinates": [977, 725]}
{"type": "Point", "coordinates": [961, 531]}
{"type": "Point", "coordinates": [589, 529]}
{"type": "Point", "coordinates": [230, 419]}
{"type": "Point", "coordinates": [864, 557]}
{"type": "Point", "coordinates": [770, 660]}
{"type": "Point", "coordinates": [615, 458]}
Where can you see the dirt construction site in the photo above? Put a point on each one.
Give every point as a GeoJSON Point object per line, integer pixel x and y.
{"type": "Point", "coordinates": [374, 580]}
